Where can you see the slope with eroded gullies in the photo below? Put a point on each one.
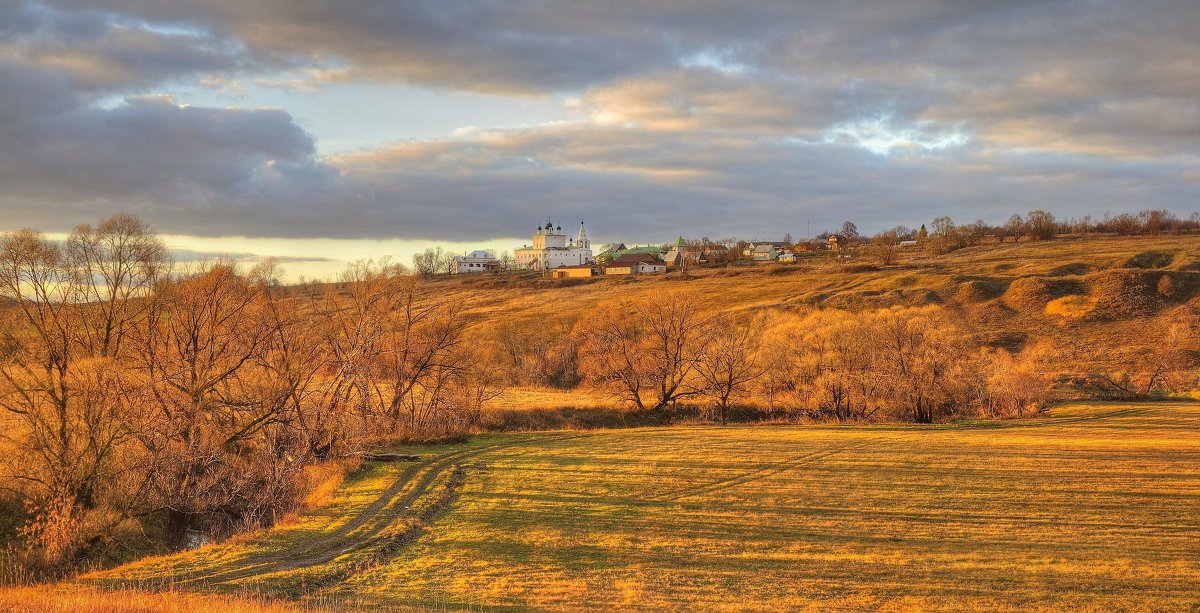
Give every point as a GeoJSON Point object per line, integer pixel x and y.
{"type": "Point", "coordinates": [976, 275]}
{"type": "Point", "coordinates": [1088, 293]}
{"type": "Point", "coordinates": [1093, 507]}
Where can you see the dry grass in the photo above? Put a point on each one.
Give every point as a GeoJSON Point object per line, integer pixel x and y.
{"type": "Point", "coordinates": [1096, 507]}
{"type": "Point", "coordinates": [518, 398]}
{"type": "Point", "coordinates": [325, 478]}
{"type": "Point", "coordinates": [74, 599]}
{"type": "Point", "coordinates": [1071, 307]}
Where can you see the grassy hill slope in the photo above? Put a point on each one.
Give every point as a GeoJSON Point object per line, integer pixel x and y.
{"type": "Point", "coordinates": [971, 280]}
{"type": "Point", "coordinates": [1084, 296]}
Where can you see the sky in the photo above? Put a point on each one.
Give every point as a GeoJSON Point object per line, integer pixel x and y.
{"type": "Point", "coordinates": [323, 132]}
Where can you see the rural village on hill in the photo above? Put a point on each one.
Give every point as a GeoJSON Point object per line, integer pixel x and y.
{"type": "Point", "coordinates": [559, 255]}
{"type": "Point", "coordinates": [568, 257]}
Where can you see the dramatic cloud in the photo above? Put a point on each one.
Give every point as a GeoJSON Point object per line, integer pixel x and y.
{"type": "Point", "coordinates": [688, 117]}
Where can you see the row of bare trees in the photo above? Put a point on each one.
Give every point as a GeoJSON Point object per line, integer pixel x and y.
{"type": "Point", "coordinates": [193, 398]}
{"type": "Point", "coordinates": [666, 349]}
{"type": "Point", "coordinates": [912, 364]}
{"type": "Point", "coordinates": [944, 235]}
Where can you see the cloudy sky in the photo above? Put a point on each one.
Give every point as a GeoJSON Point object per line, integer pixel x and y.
{"type": "Point", "coordinates": [324, 131]}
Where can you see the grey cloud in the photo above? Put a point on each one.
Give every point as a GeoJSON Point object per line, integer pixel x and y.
{"type": "Point", "coordinates": [747, 186]}
{"type": "Point", "coordinates": [187, 169]}
{"type": "Point", "coordinates": [696, 117]}
{"type": "Point", "coordinates": [100, 53]}
{"type": "Point", "coordinates": [186, 256]}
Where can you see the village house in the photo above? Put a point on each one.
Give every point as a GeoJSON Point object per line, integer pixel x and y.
{"type": "Point", "coordinates": [653, 250]}
{"type": "Point", "coordinates": [609, 252]}
{"type": "Point", "coordinates": [751, 246]}
{"type": "Point", "coordinates": [712, 252]}
{"type": "Point", "coordinates": [677, 256]}
{"type": "Point", "coordinates": [764, 253]}
{"type": "Point", "coordinates": [616, 250]}
{"type": "Point", "coordinates": [636, 264]}
{"type": "Point", "coordinates": [476, 261]}
{"type": "Point", "coordinates": [552, 249]}
{"type": "Point", "coordinates": [578, 271]}
{"type": "Point", "coordinates": [837, 242]}
{"type": "Point", "coordinates": [787, 256]}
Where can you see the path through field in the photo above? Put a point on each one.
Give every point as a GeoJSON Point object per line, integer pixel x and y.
{"type": "Point", "coordinates": [1096, 507]}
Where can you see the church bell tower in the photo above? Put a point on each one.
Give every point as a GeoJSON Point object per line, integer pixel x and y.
{"type": "Point", "coordinates": [582, 241]}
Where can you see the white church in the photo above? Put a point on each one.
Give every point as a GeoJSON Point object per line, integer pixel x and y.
{"type": "Point", "coordinates": [552, 249]}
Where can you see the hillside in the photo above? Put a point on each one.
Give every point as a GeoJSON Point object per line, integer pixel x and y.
{"type": "Point", "coordinates": [1094, 507]}
{"type": "Point", "coordinates": [1085, 296]}
{"type": "Point", "coordinates": [964, 279]}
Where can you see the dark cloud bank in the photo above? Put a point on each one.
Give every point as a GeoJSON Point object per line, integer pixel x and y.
{"type": "Point", "coordinates": [693, 117]}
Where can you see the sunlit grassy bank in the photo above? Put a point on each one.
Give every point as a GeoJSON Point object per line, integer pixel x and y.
{"type": "Point", "coordinates": [1096, 506]}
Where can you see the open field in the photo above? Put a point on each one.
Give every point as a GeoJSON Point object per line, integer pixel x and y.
{"type": "Point", "coordinates": [1094, 507]}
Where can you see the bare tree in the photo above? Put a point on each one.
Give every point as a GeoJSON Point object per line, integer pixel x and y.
{"type": "Point", "coordinates": [420, 359]}
{"type": "Point", "coordinates": [918, 349]}
{"type": "Point", "coordinates": [727, 364]}
{"type": "Point", "coordinates": [649, 347]}
{"type": "Point", "coordinates": [613, 353]}
{"type": "Point", "coordinates": [1016, 384]}
{"type": "Point", "coordinates": [1040, 225]}
{"type": "Point", "coordinates": [117, 264]}
{"type": "Point", "coordinates": [849, 230]}
{"type": "Point", "coordinates": [428, 262]}
{"type": "Point", "coordinates": [884, 245]}
{"type": "Point", "coordinates": [353, 323]}
{"type": "Point", "coordinates": [204, 332]}
{"type": "Point", "coordinates": [73, 426]}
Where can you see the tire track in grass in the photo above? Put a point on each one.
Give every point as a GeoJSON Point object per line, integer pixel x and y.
{"type": "Point", "coordinates": [814, 456]}
{"type": "Point", "coordinates": [358, 533]}
{"type": "Point", "coordinates": [368, 522]}
{"type": "Point", "coordinates": [767, 471]}
{"type": "Point", "coordinates": [362, 536]}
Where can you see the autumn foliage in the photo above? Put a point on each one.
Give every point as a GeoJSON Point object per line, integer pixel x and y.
{"type": "Point", "coordinates": [190, 400]}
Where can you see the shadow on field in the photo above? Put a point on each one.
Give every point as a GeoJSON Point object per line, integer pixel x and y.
{"type": "Point", "coordinates": [524, 420]}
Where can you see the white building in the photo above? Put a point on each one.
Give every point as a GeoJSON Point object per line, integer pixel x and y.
{"type": "Point", "coordinates": [552, 249]}
{"type": "Point", "coordinates": [476, 261]}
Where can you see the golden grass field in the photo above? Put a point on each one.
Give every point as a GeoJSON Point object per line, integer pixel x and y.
{"type": "Point", "coordinates": [76, 599]}
{"type": "Point", "coordinates": [1094, 507]}
{"type": "Point", "coordinates": [517, 398]}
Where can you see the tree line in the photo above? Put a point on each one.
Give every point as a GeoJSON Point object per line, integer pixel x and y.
{"type": "Point", "coordinates": [917, 364]}
{"type": "Point", "coordinates": [943, 234]}
{"type": "Point", "coordinates": [907, 364]}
